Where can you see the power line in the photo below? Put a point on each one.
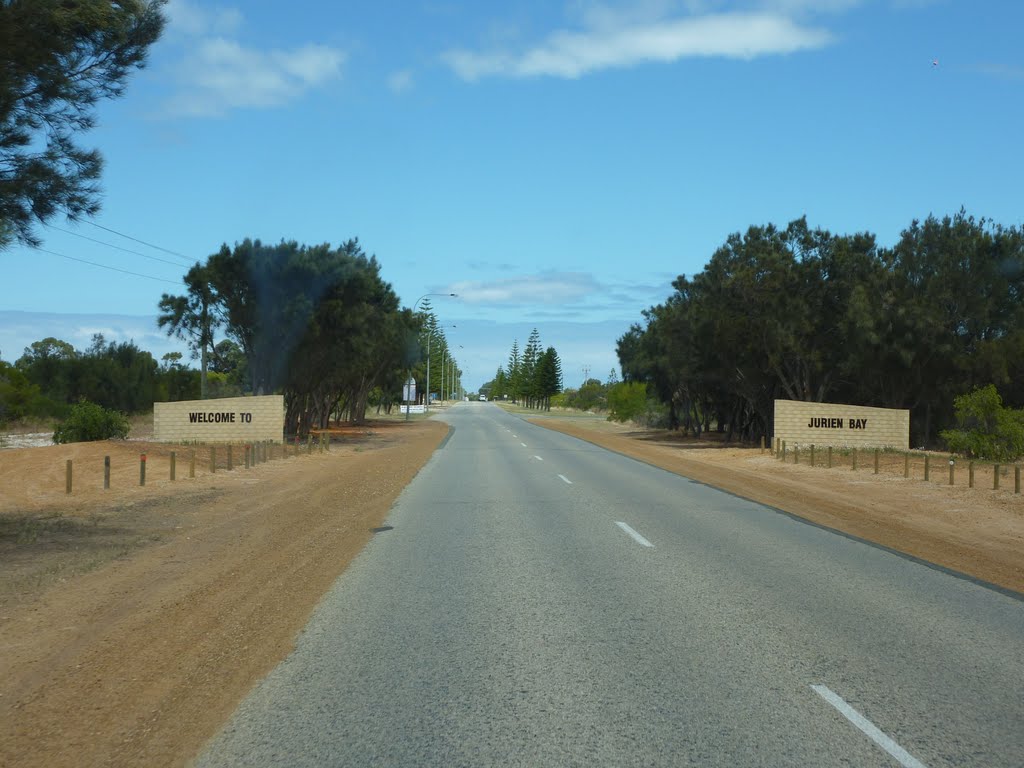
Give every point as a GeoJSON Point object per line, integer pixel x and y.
{"type": "Point", "coordinates": [143, 242]}
{"type": "Point", "coordinates": [118, 247]}
{"type": "Point", "coordinates": [104, 266]}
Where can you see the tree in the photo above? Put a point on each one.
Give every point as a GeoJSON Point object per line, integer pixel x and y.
{"type": "Point", "coordinates": [60, 57]}
{"type": "Point", "coordinates": [193, 317]}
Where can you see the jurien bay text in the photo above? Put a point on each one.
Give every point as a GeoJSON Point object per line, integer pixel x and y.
{"type": "Point", "coordinates": [838, 423]}
{"type": "Point", "coordinates": [213, 417]}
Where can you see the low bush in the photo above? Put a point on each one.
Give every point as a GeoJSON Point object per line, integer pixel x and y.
{"type": "Point", "coordinates": [87, 422]}
{"type": "Point", "coordinates": [986, 429]}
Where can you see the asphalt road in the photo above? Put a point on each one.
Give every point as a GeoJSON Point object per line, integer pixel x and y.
{"type": "Point", "coordinates": [543, 602]}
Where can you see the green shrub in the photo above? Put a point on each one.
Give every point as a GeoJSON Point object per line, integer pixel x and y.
{"type": "Point", "coordinates": [986, 429]}
{"type": "Point", "coordinates": [627, 402]}
{"type": "Point", "coordinates": [87, 421]}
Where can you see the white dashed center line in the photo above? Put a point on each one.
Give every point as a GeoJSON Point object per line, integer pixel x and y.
{"type": "Point", "coordinates": [538, 458]}
{"type": "Point", "coordinates": [868, 728]}
{"type": "Point", "coordinates": [636, 536]}
{"type": "Point", "coordinates": [565, 480]}
{"type": "Point", "coordinates": [523, 444]}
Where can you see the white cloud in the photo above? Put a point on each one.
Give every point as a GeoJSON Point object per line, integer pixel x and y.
{"type": "Point", "coordinates": [222, 75]}
{"type": "Point", "coordinates": [400, 81]}
{"type": "Point", "coordinates": [190, 19]}
{"type": "Point", "coordinates": [573, 54]}
{"type": "Point", "coordinates": [545, 288]}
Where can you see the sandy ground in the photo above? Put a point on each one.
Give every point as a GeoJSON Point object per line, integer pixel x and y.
{"type": "Point", "coordinates": [978, 531]}
{"type": "Point", "coordinates": [133, 620]}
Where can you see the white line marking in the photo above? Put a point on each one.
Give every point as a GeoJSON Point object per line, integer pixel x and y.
{"type": "Point", "coordinates": [538, 458]}
{"type": "Point", "coordinates": [566, 480]}
{"type": "Point", "coordinates": [905, 758]}
{"type": "Point", "coordinates": [639, 539]}
{"type": "Point", "coordinates": [523, 444]}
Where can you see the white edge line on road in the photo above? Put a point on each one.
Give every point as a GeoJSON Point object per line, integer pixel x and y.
{"type": "Point", "coordinates": [538, 458]}
{"type": "Point", "coordinates": [523, 444]}
{"type": "Point", "coordinates": [868, 728]}
{"type": "Point", "coordinates": [639, 539]}
{"type": "Point", "coordinates": [566, 479]}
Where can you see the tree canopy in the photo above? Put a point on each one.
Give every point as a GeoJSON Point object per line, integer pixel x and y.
{"type": "Point", "coordinates": [60, 57]}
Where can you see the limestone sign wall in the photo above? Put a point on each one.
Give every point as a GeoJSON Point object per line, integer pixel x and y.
{"type": "Point", "coordinates": [800, 423]}
{"type": "Point", "coordinates": [225, 420]}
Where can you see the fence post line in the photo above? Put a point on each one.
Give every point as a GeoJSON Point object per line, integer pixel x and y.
{"type": "Point", "coordinates": [174, 459]}
{"type": "Point", "coordinates": [67, 477]}
{"type": "Point", "coordinates": [192, 464]}
{"type": "Point", "coordinates": [876, 461]}
{"type": "Point", "coordinates": [142, 469]}
{"type": "Point", "coordinates": [106, 473]}
{"type": "Point", "coordinates": [231, 464]}
{"type": "Point", "coordinates": [970, 475]}
{"type": "Point", "coordinates": [927, 466]}
{"type": "Point", "coordinates": [995, 477]}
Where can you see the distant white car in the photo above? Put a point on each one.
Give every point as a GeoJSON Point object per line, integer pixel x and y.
{"type": "Point", "coordinates": [483, 398]}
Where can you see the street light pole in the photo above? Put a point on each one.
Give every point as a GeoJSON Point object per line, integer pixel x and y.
{"type": "Point", "coordinates": [426, 400]}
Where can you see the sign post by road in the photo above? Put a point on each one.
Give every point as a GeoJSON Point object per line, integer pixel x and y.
{"type": "Point", "coordinates": [409, 394]}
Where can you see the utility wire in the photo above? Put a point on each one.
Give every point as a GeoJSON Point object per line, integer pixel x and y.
{"type": "Point", "coordinates": [143, 242]}
{"type": "Point", "coordinates": [118, 247]}
{"type": "Point", "coordinates": [104, 266]}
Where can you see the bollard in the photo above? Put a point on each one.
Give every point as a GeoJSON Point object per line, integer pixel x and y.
{"type": "Point", "coordinates": [246, 451]}
{"type": "Point", "coordinates": [174, 461]}
{"type": "Point", "coordinates": [231, 464]}
{"type": "Point", "coordinates": [309, 444]}
{"type": "Point", "coordinates": [142, 469]}
{"type": "Point", "coordinates": [854, 459]}
{"type": "Point", "coordinates": [927, 466]}
{"type": "Point", "coordinates": [67, 477]}
{"type": "Point", "coordinates": [192, 464]}
{"type": "Point", "coordinates": [906, 464]}
{"type": "Point", "coordinates": [830, 457]}
{"type": "Point", "coordinates": [782, 456]}
{"type": "Point", "coordinates": [995, 477]}
{"type": "Point", "coordinates": [812, 454]}
{"type": "Point", "coordinates": [1016, 479]}
{"type": "Point", "coordinates": [106, 473]}
{"type": "Point", "coordinates": [213, 458]}
{"type": "Point", "coordinates": [970, 475]}
{"type": "Point", "coordinates": [952, 463]}
{"type": "Point", "coordinates": [876, 461]}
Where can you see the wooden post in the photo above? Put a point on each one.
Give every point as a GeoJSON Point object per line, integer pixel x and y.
{"type": "Point", "coordinates": [174, 461]}
{"type": "Point", "coordinates": [142, 469]}
{"type": "Point", "coordinates": [192, 464]}
{"type": "Point", "coordinates": [906, 464]}
{"type": "Point", "coordinates": [309, 444]}
{"type": "Point", "coordinates": [952, 465]}
{"type": "Point", "coordinates": [783, 456]}
{"type": "Point", "coordinates": [245, 450]}
{"type": "Point", "coordinates": [106, 473]}
{"type": "Point", "coordinates": [796, 454]}
{"type": "Point", "coordinates": [762, 443]}
{"type": "Point", "coordinates": [67, 477]}
{"type": "Point", "coordinates": [995, 477]}
{"type": "Point", "coordinates": [830, 457]}
{"type": "Point", "coordinates": [970, 475]}
{"type": "Point", "coordinates": [812, 454]}
{"type": "Point", "coordinates": [876, 461]}
{"type": "Point", "coordinates": [231, 464]}
{"type": "Point", "coordinates": [927, 466]}
{"type": "Point", "coordinates": [1016, 479]}
{"type": "Point", "coordinates": [213, 458]}
{"type": "Point", "coordinates": [854, 459]}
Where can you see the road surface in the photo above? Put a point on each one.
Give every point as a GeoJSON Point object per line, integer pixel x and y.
{"type": "Point", "coordinates": [541, 601]}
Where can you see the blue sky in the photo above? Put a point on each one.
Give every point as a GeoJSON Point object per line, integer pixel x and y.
{"type": "Point", "coordinates": [556, 164]}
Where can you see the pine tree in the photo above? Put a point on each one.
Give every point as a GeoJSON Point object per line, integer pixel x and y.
{"type": "Point", "coordinates": [514, 372]}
